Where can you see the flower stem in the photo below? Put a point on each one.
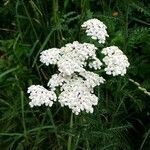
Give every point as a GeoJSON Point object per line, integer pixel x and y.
{"type": "Point", "coordinates": [54, 126]}
{"type": "Point", "coordinates": [70, 136]}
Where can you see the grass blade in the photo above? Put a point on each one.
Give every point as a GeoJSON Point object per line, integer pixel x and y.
{"type": "Point", "coordinates": [7, 72]}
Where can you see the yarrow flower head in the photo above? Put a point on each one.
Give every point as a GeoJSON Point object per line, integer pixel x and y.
{"type": "Point", "coordinates": [116, 62]}
{"type": "Point", "coordinates": [50, 56]}
{"type": "Point", "coordinates": [77, 97]}
{"type": "Point", "coordinates": [39, 96]}
{"type": "Point", "coordinates": [71, 58]}
{"type": "Point", "coordinates": [89, 79]}
{"type": "Point", "coordinates": [73, 81]}
{"type": "Point", "coordinates": [96, 29]}
{"type": "Point", "coordinates": [92, 79]}
{"type": "Point", "coordinates": [96, 64]}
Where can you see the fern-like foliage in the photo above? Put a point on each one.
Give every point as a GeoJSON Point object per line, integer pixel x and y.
{"type": "Point", "coordinates": [139, 6]}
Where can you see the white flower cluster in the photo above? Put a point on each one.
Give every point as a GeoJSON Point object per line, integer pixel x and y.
{"type": "Point", "coordinates": [77, 96]}
{"type": "Point", "coordinates": [96, 64]}
{"type": "Point", "coordinates": [116, 62]}
{"type": "Point", "coordinates": [76, 92]}
{"type": "Point", "coordinates": [74, 82]}
{"type": "Point", "coordinates": [71, 58]}
{"type": "Point", "coordinates": [50, 56]}
{"type": "Point", "coordinates": [96, 29]}
{"type": "Point", "coordinates": [39, 96]}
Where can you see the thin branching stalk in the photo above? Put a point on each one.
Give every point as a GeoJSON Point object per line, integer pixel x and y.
{"type": "Point", "coordinates": [139, 87]}
{"type": "Point", "coordinates": [69, 145]}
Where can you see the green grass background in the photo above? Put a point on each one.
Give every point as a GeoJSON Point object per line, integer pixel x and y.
{"type": "Point", "coordinates": [121, 121]}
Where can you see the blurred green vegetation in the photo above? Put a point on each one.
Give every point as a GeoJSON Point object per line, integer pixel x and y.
{"type": "Point", "coordinates": [121, 121]}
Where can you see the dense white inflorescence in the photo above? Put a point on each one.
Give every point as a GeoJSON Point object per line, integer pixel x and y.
{"type": "Point", "coordinates": [59, 80]}
{"type": "Point", "coordinates": [50, 56]}
{"type": "Point", "coordinates": [74, 83]}
{"type": "Point", "coordinates": [96, 29]}
{"type": "Point", "coordinates": [89, 79]}
{"type": "Point", "coordinates": [116, 62]}
{"type": "Point", "coordinates": [96, 64]}
{"type": "Point", "coordinates": [68, 65]}
{"type": "Point", "coordinates": [71, 58]}
{"type": "Point", "coordinates": [77, 96]}
{"type": "Point", "coordinates": [78, 99]}
{"type": "Point", "coordinates": [39, 96]}
{"type": "Point", "coordinates": [76, 92]}
{"type": "Point", "coordinates": [92, 79]}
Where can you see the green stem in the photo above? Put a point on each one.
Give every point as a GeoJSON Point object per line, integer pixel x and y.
{"type": "Point", "coordinates": [70, 136]}
{"type": "Point", "coordinates": [30, 19]}
{"type": "Point", "coordinates": [126, 27]}
{"type": "Point", "coordinates": [23, 116]}
{"type": "Point", "coordinates": [54, 126]}
{"type": "Point", "coordinates": [58, 36]}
